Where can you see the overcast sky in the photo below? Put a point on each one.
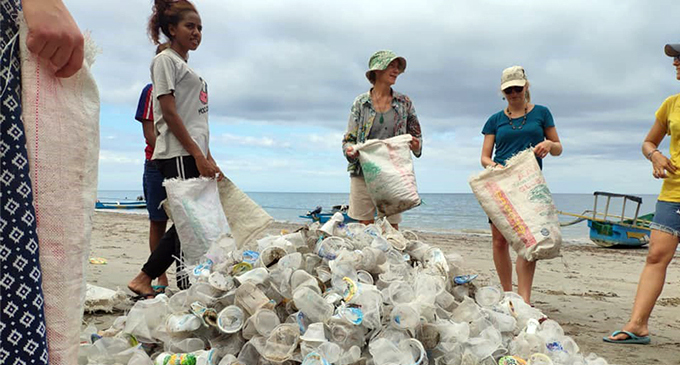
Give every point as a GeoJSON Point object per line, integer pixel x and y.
{"type": "Point", "coordinates": [282, 76]}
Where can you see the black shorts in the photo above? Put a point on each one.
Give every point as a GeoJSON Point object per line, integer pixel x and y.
{"type": "Point", "coordinates": [183, 167]}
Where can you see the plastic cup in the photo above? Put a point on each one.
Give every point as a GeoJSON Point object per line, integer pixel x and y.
{"type": "Point", "coordinates": [302, 278]}
{"type": "Point", "coordinates": [314, 333]}
{"type": "Point", "coordinates": [539, 359]}
{"type": "Point", "coordinates": [177, 323]}
{"type": "Point", "coordinates": [488, 296]}
{"type": "Point", "coordinates": [364, 277]}
{"type": "Point", "coordinates": [186, 345]}
{"type": "Point", "coordinates": [314, 358]}
{"type": "Point", "coordinates": [265, 320]}
{"type": "Point", "coordinates": [270, 256]}
{"type": "Point", "coordinates": [179, 301]}
{"type": "Point", "coordinates": [250, 297]}
{"type": "Point", "coordinates": [218, 281]}
{"type": "Point", "coordinates": [281, 343]}
{"type": "Point", "coordinates": [400, 292]}
{"type": "Point", "coordinates": [405, 316]}
{"type": "Point", "coordinates": [230, 319]}
{"type": "Point", "coordinates": [312, 304]}
{"type": "Point", "coordinates": [256, 276]}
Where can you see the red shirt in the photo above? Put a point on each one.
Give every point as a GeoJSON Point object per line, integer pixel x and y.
{"type": "Point", "coordinates": [145, 113]}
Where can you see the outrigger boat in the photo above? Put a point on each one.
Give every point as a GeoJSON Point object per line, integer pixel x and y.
{"type": "Point", "coordinates": [140, 204]}
{"type": "Point", "coordinates": [317, 215]}
{"type": "Point", "coordinates": [611, 230]}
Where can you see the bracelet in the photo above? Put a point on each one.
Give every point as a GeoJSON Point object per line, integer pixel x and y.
{"type": "Point", "coordinates": [649, 155]}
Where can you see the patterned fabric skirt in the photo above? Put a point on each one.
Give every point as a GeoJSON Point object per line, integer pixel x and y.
{"type": "Point", "coordinates": [22, 322]}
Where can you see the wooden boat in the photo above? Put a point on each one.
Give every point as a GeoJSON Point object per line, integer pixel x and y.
{"type": "Point", "coordinates": [317, 215]}
{"type": "Point", "coordinates": [140, 204]}
{"type": "Point", "coordinates": [611, 230]}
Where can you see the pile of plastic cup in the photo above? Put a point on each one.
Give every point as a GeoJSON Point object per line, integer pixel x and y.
{"type": "Point", "coordinates": [344, 294]}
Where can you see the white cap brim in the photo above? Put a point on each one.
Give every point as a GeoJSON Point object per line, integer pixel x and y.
{"type": "Point", "coordinates": [512, 83]}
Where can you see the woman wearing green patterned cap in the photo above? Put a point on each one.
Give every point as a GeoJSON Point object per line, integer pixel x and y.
{"type": "Point", "coordinates": [379, 113]}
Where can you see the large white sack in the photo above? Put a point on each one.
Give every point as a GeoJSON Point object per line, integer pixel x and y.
{"type": "Point", "coordinates": [197, 214]}
{"type": "Point", "coordinates": [246, 218]}
{"type": "Point", "coordinates": [61, 119]}
{"type": "Point", "coordinates": [519, 203]}
{"type": "Point", "coordinates": [388, 171]}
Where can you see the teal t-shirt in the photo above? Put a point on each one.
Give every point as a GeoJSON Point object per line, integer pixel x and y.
{"type": "Point", "coordinates": [510, 141]}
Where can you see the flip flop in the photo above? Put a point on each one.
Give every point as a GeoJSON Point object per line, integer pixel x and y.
{"type": "Point", "coordinates": [159, 289]}
{"type": "Point", "coordinates": [632, 338]}
{"type": "Point", "coordinates": [138, 297]}
{"type": "Point", "coordinates": [464, 279]}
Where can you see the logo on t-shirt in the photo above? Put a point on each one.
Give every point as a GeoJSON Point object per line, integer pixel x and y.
{"type": "Point", "coordinates": [203, 95]}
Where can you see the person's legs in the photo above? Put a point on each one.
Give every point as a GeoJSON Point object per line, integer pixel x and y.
{"type": "Point", "coordinates": [154, 194]}
{"type": "Point", "coordinates": [501, 258]}
{"type": "Point", "coordinates": [662, 247]}
{"type": "Point", "coordinates": [156, 232]}
{"type": "Point", "coordinates": [159, 261]}
{"type": "Point", "coordinates": [169, 247]}
{"type": "Point", "coordinates": [525, 277]}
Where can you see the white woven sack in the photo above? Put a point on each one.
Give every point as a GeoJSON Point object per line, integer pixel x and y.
{"type": "Point", "coordinates": [61, 120]}
{"type": "Point", "coordinates": [197, 215]}
{"type": "Point", "coordinates": [246, 218]}
{"type": "Point", "coordinates": [388, 171]}
{"type": "Point", "coordinates": [518, 202]}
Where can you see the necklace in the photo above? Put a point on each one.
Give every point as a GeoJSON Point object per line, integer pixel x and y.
{"type": "Point", "coordinates": [382, 120]}
{"type": "Point", "coordinates": [510, 118]}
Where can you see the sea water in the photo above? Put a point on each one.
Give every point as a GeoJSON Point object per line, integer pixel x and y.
{"type": "Point", "coordinates": [444, 213]}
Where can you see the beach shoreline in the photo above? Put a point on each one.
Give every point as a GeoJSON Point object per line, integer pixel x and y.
{"type": "Point", "coordinates": [589, 291]}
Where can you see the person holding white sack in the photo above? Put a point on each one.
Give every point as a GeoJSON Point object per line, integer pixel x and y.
{"type": "Point", "coordinates": [181, 122]}
{"type": "Point", "coordinates": [518, 126]}
{"type": "Point", "coordinates": [380, 113]}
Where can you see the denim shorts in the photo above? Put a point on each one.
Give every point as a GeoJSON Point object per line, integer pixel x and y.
{"type": "Point", "coordinates": [667, 218]}
{"type": "Point", "coordinates": [154, 192]}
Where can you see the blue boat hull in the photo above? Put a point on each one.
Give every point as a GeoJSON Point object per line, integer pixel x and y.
{"type": "Point", "coordinates": [120, 205]}
{"type": "Point", "coordinates": [324, 217]}
{"type": "Point", "coordinates": [614, 235]}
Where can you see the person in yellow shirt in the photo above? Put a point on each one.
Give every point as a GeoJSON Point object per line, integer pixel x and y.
{"type": "Point", "coordinates": [666, 224]}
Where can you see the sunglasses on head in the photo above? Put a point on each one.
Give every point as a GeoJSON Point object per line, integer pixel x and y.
{"type": "Point", "coordinates": [513, 89]}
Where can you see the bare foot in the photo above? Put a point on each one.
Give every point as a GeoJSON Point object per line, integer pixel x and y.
{"type": "Point", "coordinates": [640, 331]}
{"type": "Point", "coordinates": [141, 285]}
{"type": "Point", "coordinates": [163, 280]}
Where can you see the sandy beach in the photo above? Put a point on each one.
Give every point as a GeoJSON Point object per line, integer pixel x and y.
{"type": "Point", "coordinates": [589, 291]}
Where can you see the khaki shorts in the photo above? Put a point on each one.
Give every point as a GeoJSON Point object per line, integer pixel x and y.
{"type": "Point", "coordinates": [361, 206]}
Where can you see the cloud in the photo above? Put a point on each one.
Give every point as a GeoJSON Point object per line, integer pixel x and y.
{"type": "Point", "coordinates": [250, 141]}
{"type": "Point", "coordinates": [299, 64]}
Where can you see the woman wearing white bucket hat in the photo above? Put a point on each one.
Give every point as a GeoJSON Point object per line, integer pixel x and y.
{"type": "Point", "coordinates": [380, 113]}
{"type": "Point", "coordinates": [663, 242]}
{"type": "Point", "coordinates": [519, 126]}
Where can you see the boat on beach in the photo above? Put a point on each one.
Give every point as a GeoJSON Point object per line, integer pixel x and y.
{"type": "Point", "coordinates": [139, 204]}
{"type": "Point", "coordinates": [612, 230]}
{"type": "Point", "coordinates": [317, 215]}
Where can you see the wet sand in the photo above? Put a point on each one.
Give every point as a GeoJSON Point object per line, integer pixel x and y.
{"type": "Point", "coordinates": [589, 291]}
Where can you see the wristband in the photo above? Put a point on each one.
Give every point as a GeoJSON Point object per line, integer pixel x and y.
{"type": "Point", "coordinates": [649, 155]}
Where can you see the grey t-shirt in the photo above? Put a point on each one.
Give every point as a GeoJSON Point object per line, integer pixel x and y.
{"type": "Point", "coordinates": [384, 129]}
{"type": "Point", "coordinates": [171, 74]}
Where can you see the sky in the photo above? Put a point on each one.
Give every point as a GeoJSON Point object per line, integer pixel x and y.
{"type": "Point", "coordinates": [282, 76]}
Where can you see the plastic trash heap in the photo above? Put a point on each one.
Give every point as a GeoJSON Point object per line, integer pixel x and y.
{"type": "Point", "coordinates": [333, 294]}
